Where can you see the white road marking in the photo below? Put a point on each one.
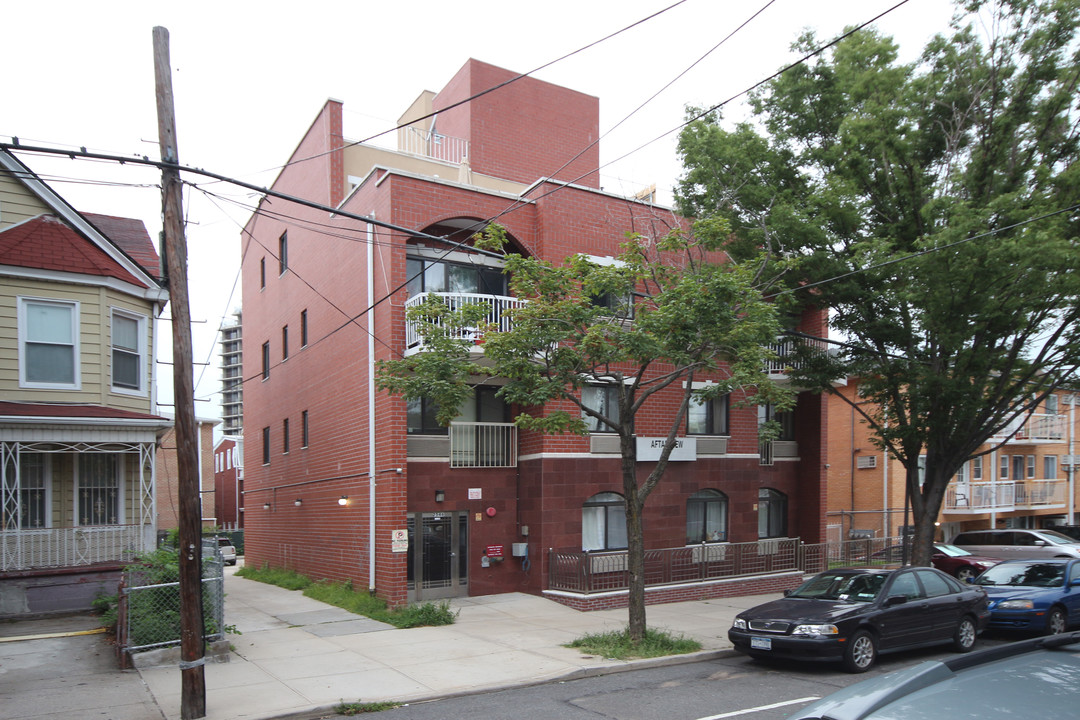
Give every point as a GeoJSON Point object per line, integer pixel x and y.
{"type": "Point", "coordinates": [747, 711]}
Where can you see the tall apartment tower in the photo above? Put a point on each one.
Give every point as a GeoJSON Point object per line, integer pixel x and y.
{"type": "Point", "coordinates": [232, 378]}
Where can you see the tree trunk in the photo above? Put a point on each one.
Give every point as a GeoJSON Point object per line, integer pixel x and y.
{"type": "Point", "coordinates": [635, 564]}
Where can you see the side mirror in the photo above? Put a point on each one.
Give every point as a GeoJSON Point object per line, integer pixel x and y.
{"type": "Point", "coordinates": [787, 592]}
{"type": "Point", "coordinates": [895, 600]}
{"type": "Point", "coordinates": [1041, 543]}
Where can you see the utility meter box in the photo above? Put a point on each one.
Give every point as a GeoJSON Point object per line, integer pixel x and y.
{"type": "Point", "coordinates": [519, 549]}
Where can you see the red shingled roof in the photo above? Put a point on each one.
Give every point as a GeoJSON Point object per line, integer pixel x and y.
{"type": "Point", "coordinates": [48, 243]}
{"type": "Point", "coordinates": [15, 409]}
{"type": "Point", "coordinates": [130, 236]}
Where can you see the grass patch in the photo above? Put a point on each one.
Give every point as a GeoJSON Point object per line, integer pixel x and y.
{"type": "Point", "coordinates": [617, 645]}
{"type": "Point", "coordinates": [357, 708]}
{"type": "Point", "coordinates": [343, 595]}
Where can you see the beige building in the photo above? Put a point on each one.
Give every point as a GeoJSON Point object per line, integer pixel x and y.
{"type": "Point", "coordinates": [1023, 478]}
{"type": "Point", "coordinates": [79, 297]}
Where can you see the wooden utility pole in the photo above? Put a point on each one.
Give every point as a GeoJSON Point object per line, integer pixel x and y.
{"type": "Point", "coordinates": [192, 679]}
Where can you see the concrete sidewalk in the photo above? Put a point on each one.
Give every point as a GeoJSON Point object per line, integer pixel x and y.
{"type": "Point", "coordinates": [297, 656]}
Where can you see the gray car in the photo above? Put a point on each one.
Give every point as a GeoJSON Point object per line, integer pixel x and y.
{"type": "Point", "coordinates": [1030, 678]}
{"type": "Point", "coordinates": [1017, 544]}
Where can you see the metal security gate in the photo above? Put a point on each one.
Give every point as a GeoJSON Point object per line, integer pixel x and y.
{"type": "Point", "coordinates": [438, 555]}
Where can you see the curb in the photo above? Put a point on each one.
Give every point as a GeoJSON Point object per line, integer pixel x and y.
{"type": "Point", "coordinates": [323, 712]}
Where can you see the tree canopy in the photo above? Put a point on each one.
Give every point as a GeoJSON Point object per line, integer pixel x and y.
{"type": "Point", "coordinates": [669, 310]}
{"type": "Point", "coordinates": [934, 208]}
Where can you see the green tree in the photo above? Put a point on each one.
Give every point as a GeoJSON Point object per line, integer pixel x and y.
{"type": "Point", "coordinates": [666, 313]}
{"type": "Point", "coordinates": [935, 206]}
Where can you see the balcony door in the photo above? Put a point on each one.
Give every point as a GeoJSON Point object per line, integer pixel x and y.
{"type": "Point", "coordinates": [438, 555]}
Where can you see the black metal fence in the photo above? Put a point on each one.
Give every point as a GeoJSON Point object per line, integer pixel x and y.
{"type": "Point", "coordinates": [590, 572]}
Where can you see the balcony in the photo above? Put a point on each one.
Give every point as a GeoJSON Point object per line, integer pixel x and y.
{"type": "Point", "coordinates": [1036, 428]}
{"type": "Point", "coordinates": [779, 368]}
{"type": "Point", "coordinates": [483, 444]}
{"type": "Point", "coordinates": [982, 497]}
{"type": "Point", "coordinates": [496, 305]}
{"type": "Point", "coordinates": [428, 144]}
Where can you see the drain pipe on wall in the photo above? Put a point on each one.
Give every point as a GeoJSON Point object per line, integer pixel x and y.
{"type": "Point", "coordinates": [371, 403]}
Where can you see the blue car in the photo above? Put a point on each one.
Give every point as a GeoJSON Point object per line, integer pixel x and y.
{"type": "Point", "coordinates": [1033, 596]}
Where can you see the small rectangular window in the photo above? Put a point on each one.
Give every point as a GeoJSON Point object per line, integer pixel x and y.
{"type": "Point", "coordinates": [977, 468]}
{"type": "Point", "coordinates": [709, 417]}
{"type": "Point", "coordinates": [283, 253]}
{"type": "Point", "coordinates": [128, 339]}
{"type": "Point", "coordinates": [603, 399]}
{"type": "Point", "coordinates": [266, 446]}
{"type": "Point", "coordinates": [285, 343]}
{"type": "Point", "coordinates": [304, 429]}
{"type": "Point", "coordinates": [48, 344]}
{"type": "Point", "coordinates": [262, 274]}
{"type": "Point", "coordinates": [266, 360]}
{"type": "Point", "coordinates": [1050, 467]}
{"type": "Point", "coordinates": [1031, 467]}
{"type": "Point", "coordinates": [1003, 472]}
{"type": "Point", "coordinates": [285, 436]}
{"type": "Point", "coordinates": [303, 328]}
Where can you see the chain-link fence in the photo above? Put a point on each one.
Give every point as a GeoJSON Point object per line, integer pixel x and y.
{"type": "Point", "coordinates": [149, 609]}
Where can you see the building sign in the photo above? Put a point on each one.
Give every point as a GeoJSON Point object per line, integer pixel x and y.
{"type": "Point", "coordinates": [648, 449]}
{"type": "Point", "coordinates": [494, 551]}
{"type": "Point", "coordinates": [399, 541]}
{"type": "Point", "coordinates": [475, 494]}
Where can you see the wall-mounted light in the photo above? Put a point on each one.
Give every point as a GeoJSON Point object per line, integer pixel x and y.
{"type": "Point", "coordinates": [439, 496]}
{"type": "Point", "coordinates": [298, 502]}
{"type": "Point", "coordinates": [266, 506]}
{"type": "Point", "coordinates": [343, 500]}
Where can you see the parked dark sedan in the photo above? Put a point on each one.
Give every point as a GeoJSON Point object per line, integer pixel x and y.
{"type": "Point", "coordinates": [1034, 596]}
{"type": "Point", "coordinates": [853, 614]}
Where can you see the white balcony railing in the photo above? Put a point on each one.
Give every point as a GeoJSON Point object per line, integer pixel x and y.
{"type": "Point", "coordinates": [785, 360]}
{"type": "Point", "coordinates": [1005, 495]}
{"type": "Point", "coordinates": [426, 143]}
{"type": "Point", "coordinates": [27, 549]}
{"type": "Point", "coordinates": [478, 444]}
{"type": "Point", "coordinates": [1037, 427]}
{"type": "Point", "coordinates": [497, 305]}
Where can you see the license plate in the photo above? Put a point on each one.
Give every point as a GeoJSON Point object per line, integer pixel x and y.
{"type": "Point", "coordinates": [761, 643]}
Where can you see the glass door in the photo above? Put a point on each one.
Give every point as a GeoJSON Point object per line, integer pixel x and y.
{"type": "Point", "coordinates": [438, 555]}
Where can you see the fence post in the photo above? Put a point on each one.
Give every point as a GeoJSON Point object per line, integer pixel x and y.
{"type": "Point", "coordinates": [123, 657]}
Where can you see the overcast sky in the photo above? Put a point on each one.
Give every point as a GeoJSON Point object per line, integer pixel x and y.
{"type": "Point", "coordinates": [249, 78]}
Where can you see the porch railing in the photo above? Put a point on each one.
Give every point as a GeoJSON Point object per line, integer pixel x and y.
{"type": "Point", "coordinates": [71, 546]}
{"type": "Point", "coordinates": [980, 497]}
{"type": "Point", "coordinates": [426, 143]}
{"type": "Point", "coordinates": [497, 305]}
{"type": "Point", "coordinates": [785, 354]}
{"type": "Point", "coordinates": [478, 444]}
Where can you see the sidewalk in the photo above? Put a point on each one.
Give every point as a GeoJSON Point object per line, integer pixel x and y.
{"type": "Point", "coordinates": [298, 656]}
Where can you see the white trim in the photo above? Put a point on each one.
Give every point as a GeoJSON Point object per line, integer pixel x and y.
{"type": "Point", "coordinates": [154, 293]}
{"type": "Point", "coordinates": [141, 347]}
{"type": "Point", "coordinates": [76, 333]}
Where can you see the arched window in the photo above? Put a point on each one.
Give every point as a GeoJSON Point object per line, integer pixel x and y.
{"type": "Point", "coordinates": [772, 513]}
{"type": "Point", "coordinates": [706, 517]}
{"type": "Point", "coordinates": [603, 522]}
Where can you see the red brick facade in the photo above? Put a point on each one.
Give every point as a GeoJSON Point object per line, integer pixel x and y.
{"type": "Point", "coordinates": [523, 132]}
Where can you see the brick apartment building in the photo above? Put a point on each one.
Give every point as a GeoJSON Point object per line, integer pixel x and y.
{"type": "Point", "coordinates": [168, 478]}
{"type": "Point", "coordinates": [229, 483]}
{"type": "Point", "coordinates": [347, 483]}
{"type": "Point", "coordinates": [1025, 483]}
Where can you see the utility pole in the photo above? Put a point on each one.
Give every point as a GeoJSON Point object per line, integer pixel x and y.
{"type": "Point", "coordinates": [192, 679]}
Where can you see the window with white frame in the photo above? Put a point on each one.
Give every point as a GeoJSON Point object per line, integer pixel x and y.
{"type": "Point", "coordinates": [99, 492]}
{"type": "Point", "coordinates": [1051, 404]}
{"type": "Point", "coordinates": [27, 508]}
{"type": "Point", "coordinates": [1003, 468]}
{"type": "Point", "coordinates": [708, 417]}
{"type": "Point", "coordinates": [977, 468]}
{"type": "Point", "coordinates": [48, 344]}
{"type": "Point", "coordinates": [962, 474]}
{"type": "Point", "coordinates": [1050, 465]}
{"type": "Point", "coordinates": [706, 517]}
{"type": "Point", "coordinates": [772, 513]}
{"type": "Point", "coordinates": [1031, 467]}
{"type": "Point", "coordinates": [128, 341]}
{"type": "Point", "coordinates": [603, 399]}
{"type": "Point", "coordinates": [603, 522]}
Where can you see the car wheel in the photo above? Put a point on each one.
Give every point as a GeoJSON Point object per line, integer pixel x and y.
{"type": "Point", "coordinates": [861, 652]}
{"type": "Point", "coordinates": [1055, 621]}
{"type": "Point", "coordinates": [965, 574]}
{"type": "Point", "coordinates": [964, 637]}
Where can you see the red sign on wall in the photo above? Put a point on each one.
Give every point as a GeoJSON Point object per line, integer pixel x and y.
{"type": "Point", "coordinates": [494, 551]}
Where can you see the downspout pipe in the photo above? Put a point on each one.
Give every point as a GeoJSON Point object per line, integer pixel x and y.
{"type": "Point", "coordinates": [371, 403]}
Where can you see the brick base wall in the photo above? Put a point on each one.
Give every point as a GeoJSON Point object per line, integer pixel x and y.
{"type": "Point", "coordinates": [734, 587]}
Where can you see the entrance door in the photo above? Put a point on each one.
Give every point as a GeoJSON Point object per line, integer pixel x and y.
{"type": "Point", "coordinates": [438, 555]}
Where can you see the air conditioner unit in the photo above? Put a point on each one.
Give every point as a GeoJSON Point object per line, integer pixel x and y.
{"type": "Point", "coordinates": [866, 462]}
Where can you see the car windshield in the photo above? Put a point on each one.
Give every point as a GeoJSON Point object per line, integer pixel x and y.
{"type": "Point", "coordinates": [1027, 574]}
{"type": "Point", "coordinates": [1056, 537]}
{"type": "Point", "coordinates": [951, 550]}
{"type": "Point", "coordinates": [862, 587]}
